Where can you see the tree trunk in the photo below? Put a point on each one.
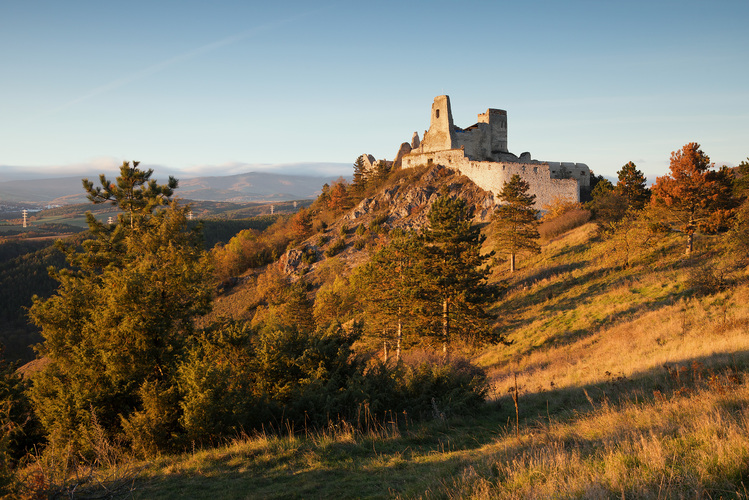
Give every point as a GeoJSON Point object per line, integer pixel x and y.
{"type": "Point", "coordinates": [690, 243]}
{"type": "Point", "coordinates": [445, 323]}
{"type": "Point", "coordinates": [398, 338]}
{"type": "Point", "coordinates": [512, 263]}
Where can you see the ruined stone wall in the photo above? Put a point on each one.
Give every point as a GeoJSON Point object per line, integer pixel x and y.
{"type": "Point", "coordinates": [492, 176]}
{"type": "Point", "coordinates": [476, 142]}
{"type": "Point", "coordinates": [579, 171]}
{"type": "Point", "coordinates": [497, 120]}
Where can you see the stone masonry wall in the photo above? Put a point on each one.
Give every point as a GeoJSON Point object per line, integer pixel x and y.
{"type": "Point", "coordinates": [492, 176]}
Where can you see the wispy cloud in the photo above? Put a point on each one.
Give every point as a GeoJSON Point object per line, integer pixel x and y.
{"type": "Point", "coordinates": [162, 65]}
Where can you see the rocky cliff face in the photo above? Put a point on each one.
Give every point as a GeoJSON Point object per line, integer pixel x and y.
{"type": "Point", "coordinates": [403, 203]}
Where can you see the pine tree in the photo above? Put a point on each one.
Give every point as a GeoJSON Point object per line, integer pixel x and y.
{"type": "Point", "coordinates": [389, 286]}
{"type": "Point", "coordinates": [134, 192]}
{"type": "Point", "coordinates": [454, 272]}
{"type": "Point", "coordinates": [608, 206]}
{"type": "Point", "coordinates": [632, 186]}
{"type": "Point", "coordinates": [360, 179]}
{"type": "Point", "coordinates": [515, 221]}
{"type": "Point", "coordinates": [115, 329]}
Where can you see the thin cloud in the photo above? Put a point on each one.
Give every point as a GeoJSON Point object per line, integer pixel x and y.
{"type": "Point", "coordinates": [161, 66]}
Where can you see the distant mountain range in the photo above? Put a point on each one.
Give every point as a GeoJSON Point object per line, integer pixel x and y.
{"type": "Point", "coordinates": [239, 188]}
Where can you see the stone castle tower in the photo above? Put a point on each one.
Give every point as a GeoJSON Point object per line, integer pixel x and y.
{"type": "Point", "coordinates": [480, 153]}
{"type": "Point", "coordinates": [486, 140]}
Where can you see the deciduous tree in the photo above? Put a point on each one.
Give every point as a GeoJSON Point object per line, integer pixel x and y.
{"type": "Point", "coordinates": [696, 196]}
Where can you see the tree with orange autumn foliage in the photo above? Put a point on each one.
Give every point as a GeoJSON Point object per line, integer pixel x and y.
{"type": "Point", "coordinates": [696, 196]}
{"type": "Point", "coordinates": [339, 198]}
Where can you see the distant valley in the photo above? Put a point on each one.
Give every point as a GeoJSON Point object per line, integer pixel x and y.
{"type": "Point", "coordinates": [239, 188]}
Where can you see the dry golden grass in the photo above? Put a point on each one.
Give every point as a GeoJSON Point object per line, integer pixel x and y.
{"type": "Point", "coordinates": [693, 446]}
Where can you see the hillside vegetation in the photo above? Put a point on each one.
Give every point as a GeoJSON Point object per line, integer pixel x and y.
{"type": "Point", "coordinates": [632, 381]}
{"type": "Point", "coordinates": [376, 344]}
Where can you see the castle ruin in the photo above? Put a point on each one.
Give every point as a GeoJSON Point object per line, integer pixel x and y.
{"type": "Point", "coordinates": [480, 153]}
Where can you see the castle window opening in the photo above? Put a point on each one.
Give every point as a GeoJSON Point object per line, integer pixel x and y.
{"type": "Point", "coordinates": [437, 113]}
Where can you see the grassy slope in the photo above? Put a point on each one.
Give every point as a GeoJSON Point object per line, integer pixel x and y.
{"type": "Point", "coordinates": [599, 413]}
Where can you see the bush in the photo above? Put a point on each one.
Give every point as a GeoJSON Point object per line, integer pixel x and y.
{"type": "Point", "coordinates": [705, 279]}
{"type": "Point", "coordinates": [337, 247]}
{"type": "Point", "coordinates": [19, 430]}
{"type": "Point", "coordinates": [430, 385]}
{"type": "Point", "coordinates": [359, 244]}
{"type": "Point", "coordinates": [236, 378]}
{"type": "Point", "coordinates": [379, 219]}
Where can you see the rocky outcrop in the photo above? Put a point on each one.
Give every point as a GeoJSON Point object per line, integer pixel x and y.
{"type": "Point", "coordinates": [403, 150]}
{"type": "Point", "coordinates": [404, 204]}
{"type": "Point", "coordinates": [415, 142]}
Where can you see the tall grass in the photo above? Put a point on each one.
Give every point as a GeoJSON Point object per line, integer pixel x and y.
{"type": "Point", "coordinates": [694, 446]}
{"type": "Point", "coordinates": [562, 223]}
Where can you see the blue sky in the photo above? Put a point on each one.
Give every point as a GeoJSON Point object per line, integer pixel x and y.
{"type": "Point", "coordinates": [220, 87]}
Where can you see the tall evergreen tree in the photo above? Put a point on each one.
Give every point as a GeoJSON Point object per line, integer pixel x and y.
{"type": "Point", "coordinates": [515, 221]}
{"type": "Point", "coordinates": [115, 329]}
{"type": "Point", "coordinates": [607, 204]}
{"type": "Point", "coordinates": [359, 180]}
{"type": "Point", "coordinates": [454, 272]}
{"type": "Point", "coordinates": [389, 286]}
{"type": "Point", "coordinates": [632, 186]}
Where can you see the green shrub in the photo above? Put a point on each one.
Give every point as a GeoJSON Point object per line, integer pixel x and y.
{"type": "Point", "coordinates": [430, 385]}
{"type": "Point", "coordinates": [236, 379]}
{"type": "Point", "coordinates": [337, 247]}
{"type": "Point", "coordinates": [359, 244]}
{"type": "Point", "coordinates": [360, 230]}
{"type": "Point", "coordinates": [322, 239]}
{"type": "Point", "coordinates": [379, 219]}
{"type": "Point", "coordinates": [217, 380]}
{"type": "Point", "coordinates": [19, 429]}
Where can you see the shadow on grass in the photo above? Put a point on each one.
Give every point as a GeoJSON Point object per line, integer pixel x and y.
{"type": "Point", "coordinates": [426, 456]}
{"type": "Point", "coordinates": [619, 388]}
{"type": "Point", "coordinates": [557, 297]}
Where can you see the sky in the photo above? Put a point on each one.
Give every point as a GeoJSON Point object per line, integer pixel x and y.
{"type": "Point", "coordinates": [223, 87]}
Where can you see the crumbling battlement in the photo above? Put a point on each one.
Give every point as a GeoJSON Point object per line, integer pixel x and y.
{"type": "Point", "coordinates": [480, 153]}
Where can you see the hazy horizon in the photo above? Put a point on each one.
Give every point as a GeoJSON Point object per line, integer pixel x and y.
{"type": "Point", "coordinates": [314, 170]}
